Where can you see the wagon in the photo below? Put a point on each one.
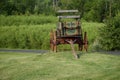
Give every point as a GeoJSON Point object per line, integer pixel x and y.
{"type": "Point", "coordinates": [68, 31]}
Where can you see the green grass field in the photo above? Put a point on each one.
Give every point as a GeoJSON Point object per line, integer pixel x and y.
{"type": "Point", "coordinates": [59, 66]}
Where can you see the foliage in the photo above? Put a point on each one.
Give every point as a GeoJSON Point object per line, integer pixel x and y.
{"type": "Point", "coordinates": [92, 30]}
{"type": "Point", "coordinates": [35, 36]}
{"type": "Point", "coordinates": [60, 66]}
{"type": "Point", "coordinates": [25, 37]}
{"type": "Point", "coordinates": [96, 12]}
{"type": "Point", "coordinates": [93, 10]}
{"type": "Point", "coordinates": [10, 7]}
{"type": "Point", "coordinates": [90, 10]}
{"type": "Point", "coordinates": [17, 20]}
{"type": "Point", "coordinates": [110, 34]}
{"type": "Point", "coordinates": [32, 32]}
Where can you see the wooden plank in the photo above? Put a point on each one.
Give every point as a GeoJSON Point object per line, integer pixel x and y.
{"type": "Point", "coordinates": [69, 17]}
{"type": "Point", "coordinates": [66, 11]}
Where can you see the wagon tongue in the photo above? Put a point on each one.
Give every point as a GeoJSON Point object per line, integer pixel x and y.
{"type": "Point", "coordinates": [71, 42]}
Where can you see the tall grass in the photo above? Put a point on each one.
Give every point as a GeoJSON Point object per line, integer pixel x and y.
{"type": "Point", "coordinates": [92, 29]}
{"type": "Point", "coordinates": [32, 32]}
{"type": "Point", "coordinates": [26, 37]}
{"type": "Point", "coordinates": [26, 20]}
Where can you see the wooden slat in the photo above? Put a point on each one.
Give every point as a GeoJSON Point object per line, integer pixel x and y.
{"type": "Point", "coordinates": [68, 16]}
{"type": "Point", "coordinates": [66, 11]}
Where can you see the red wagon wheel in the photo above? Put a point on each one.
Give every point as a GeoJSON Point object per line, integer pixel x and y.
{"type": "Point", "coordinates": [85, 41]}
{"type": "Point", "coordinates": [53, 41]}
{"type": "Point", "coordinates": [80, 47]}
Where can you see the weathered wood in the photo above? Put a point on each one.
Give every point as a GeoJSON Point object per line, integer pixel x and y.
{"type": "Point", "coordinates": [71, 42]}
{"type": "Point", "coordinates": [66, 11]}
{"type": "Point", "coordinates": [55, 41]}
{"type": "Point", "coordinates": [80, 46]}
{"type": "Point", "coordinates": [71, 28]}
{"type": "Point", "coordinates": [51, 41]}
{"type": "Point", "coordinates": [69, 32]}
{"type": "Point", "coordinates": [85, 41]}
{"type": "Point", "coordinates": [75, 17]}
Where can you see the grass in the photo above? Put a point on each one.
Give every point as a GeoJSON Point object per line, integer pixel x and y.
{"type": "Point", "coordinates": [92, 29]}
{"type": "Point", "coordinates": [59, 66]}
{"type": "Point", "coordinates": [17, 20]}
{"type": "Point", "coordinates": [25, 37]}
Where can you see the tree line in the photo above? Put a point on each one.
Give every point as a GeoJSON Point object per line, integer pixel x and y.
{"type": "Point", "coordinates": [90, 10]}
{"type": "Point", "coordinates": [18, 7]}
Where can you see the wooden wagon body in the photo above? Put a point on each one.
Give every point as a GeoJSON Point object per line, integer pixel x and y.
{"type": "Point", "coordinates": [68, 32]}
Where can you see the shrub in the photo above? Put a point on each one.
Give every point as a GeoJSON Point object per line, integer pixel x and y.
{"type": "Point", "coordinates": [110, 34]}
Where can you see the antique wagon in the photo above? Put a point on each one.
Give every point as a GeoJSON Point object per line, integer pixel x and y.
{"type": "Point", "coordinates": [68, 31]}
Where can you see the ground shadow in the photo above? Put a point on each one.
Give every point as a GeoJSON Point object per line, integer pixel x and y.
{"type": "Point", "coordinates": [79, 54]}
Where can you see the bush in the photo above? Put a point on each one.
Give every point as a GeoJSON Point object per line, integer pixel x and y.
{"type": "Point", "coordinates": [110, 34]}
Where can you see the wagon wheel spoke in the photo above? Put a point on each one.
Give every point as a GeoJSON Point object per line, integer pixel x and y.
{"type": "Point", "coordinates": [80, 47]}
{"type": "Point", "coordinates": [85, 41]}
{"type": "Point", "coordinates": [51, 41]}
{"type": "Point", "coordinates": [55, 41]}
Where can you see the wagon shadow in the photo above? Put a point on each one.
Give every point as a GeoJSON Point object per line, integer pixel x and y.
{"type": "Point", "coordinates": [79, 54]}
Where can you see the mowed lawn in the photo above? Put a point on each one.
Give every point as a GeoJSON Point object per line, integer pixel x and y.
{"type": "Point", "coordinates": [59, 66]}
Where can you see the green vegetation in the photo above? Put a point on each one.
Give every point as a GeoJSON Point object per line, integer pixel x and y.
{"type": "Point", "coordinates": [26, 20]}
{"type": "Point", "coordinates": [60, 66]}
{"type": "Point", "coordinates": [19, 14]}
{"type": "Point", "coordinates": [90, 10]}
{"type": "Point", "coordinates": [110, 34]}
{"type": "Point", "coordinates": [26, 36]}
{"type": "Point", "coordinates": [26, 24]}
{"type": "Point", "coordinates": [32, 32]}
{"type": "Point", "coordinates": [92, 30]}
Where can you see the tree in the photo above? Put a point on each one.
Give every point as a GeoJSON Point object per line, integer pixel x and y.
{"type": "Point", "coordinates": [110, 34]}
{"type": "Point", "coordinates": [6, 7]}
{"type": "Point", "coordinates": [79, 4]}
{"type": "Point", "coordinates": [90, 10]}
